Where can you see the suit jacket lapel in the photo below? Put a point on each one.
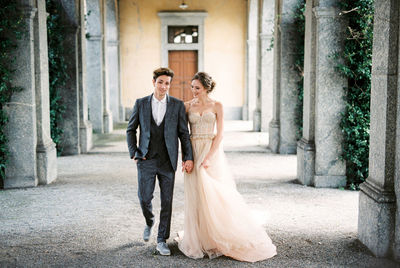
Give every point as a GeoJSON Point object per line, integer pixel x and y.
{"type": "Point", "coordinates": [147, 114]}
{"type": "Point", "coordinates": [169, 109]}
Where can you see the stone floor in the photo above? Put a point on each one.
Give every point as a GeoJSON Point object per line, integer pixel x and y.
{"type": "Point", "coordinates": [90, 217]}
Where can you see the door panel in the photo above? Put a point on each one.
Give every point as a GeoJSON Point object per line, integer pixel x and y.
{"type": "Point", "coordinates": [184, 65]}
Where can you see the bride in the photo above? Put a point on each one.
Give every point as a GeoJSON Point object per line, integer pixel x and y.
{"type": "Point", "coordinates": [217, 219]}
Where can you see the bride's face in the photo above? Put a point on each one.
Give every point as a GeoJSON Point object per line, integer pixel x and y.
{"type": "Point", "coordinates": [198, 89]}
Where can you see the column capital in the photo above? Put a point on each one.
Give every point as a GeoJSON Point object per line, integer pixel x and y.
{"type": "Point", "coordinates": [95, 37]}
{"type": "Point", "coordinates": [326, 12]}
{"type": "Point", "coordinates": [377, 193]}
{"type": "Point", "coordinates": [265, 36]}
{"type": "Point", "coordinates": [113, 43]}
{"type": "Point", "coordinates": [28, 12]}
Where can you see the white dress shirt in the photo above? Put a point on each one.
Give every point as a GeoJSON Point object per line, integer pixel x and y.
{"type": "Point", "coordinates": [158, 109]}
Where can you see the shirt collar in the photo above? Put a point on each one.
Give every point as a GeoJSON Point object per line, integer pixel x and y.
{"type": "Point", "coordinates": [164, 100]}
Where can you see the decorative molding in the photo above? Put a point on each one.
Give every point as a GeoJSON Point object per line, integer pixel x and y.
{"type": "Point", "coordinates": [265, 36]}
{"type": "Point", "coordinates": [95, 37]}
{"type": "Point", "coordinates": [28, 12]}
{"type": "Point", "coordinates": [377, 193]}
{"type": "Point", "coordinates": [326, 12]}
{"type": "Point", "coordinates": [182, 18]}
{"type": "Point", "coordinates": [113, 43]}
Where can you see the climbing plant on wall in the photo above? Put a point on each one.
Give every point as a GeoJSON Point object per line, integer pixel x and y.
{"type": "Point", "coordinates": [57, 68]}
{"type": "Point", "coordinates": [300, 24]}
{"type": "Point", "coordinates": [357, 68]}
{"type": "Point", "coordinates": [11, 30]}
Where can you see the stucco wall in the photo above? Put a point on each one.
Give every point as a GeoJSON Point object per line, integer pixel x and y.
{"type": "Point", "coordinates": [224, 46]}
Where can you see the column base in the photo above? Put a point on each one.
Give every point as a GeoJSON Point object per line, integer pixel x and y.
{"type": "Point", "coordinates": [257, 121]}
{"type": "Point", "coordinates": [305, 161]}
{"type": "Point", "coordinates": [329, 181]}
{"type": "Point", "coordinates": [46, 163]}
{"type": "Point", "coordinates": [274, 128]}
{"type": "Point", "coordinates": [86, 141]}
{"type": "Point", "coordinates": [287, 148]}
{"type": "Point", "coordinates": [107, 122]}
{"type": "Point", "coordinates": [376, 219]}
{"type": "Point", "coordinates": [20, 182]}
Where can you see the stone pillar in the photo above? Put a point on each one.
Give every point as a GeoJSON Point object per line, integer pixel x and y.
{"type": "Point", "coordinates": [329, 93]}
{"type": "Point", "coordinates": [107, 114]}
{"type": "Point", "coordinates": [85, 128]}
{"type": "Point", "coordinates": [320, 148]}
{"type": "Point", "coordinates": [21, 169]}
{"type": "Point", "coordinates": [274, 125]}
{"type": "Point", "coordinates": [251, 62]}
{"type": "Point", "coordinates": [267, 58]}
{"type": "Point", "coordinates": [113, 59]}
{"type": "Point", "coordinates": [45, 149]}
{"type": "Point", "coordinates": [121, 107]}
{"type": "Point", "coordinates": [377, 204]}
{"type": "Point", "coordinates": [306, 146]}
{"type": "Point", "coordinates": [94, 61]}
{"type": "Point", "coordinates": [282, 127]}
{"type": "Point", "coordinates": [70, 142]}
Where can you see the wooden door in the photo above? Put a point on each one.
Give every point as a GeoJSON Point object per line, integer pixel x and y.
{"type": "Point", "coordinates": [184, 65]}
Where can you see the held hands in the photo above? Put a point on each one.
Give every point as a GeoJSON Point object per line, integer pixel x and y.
{"type": "Point", "coordinates": [187, 166]}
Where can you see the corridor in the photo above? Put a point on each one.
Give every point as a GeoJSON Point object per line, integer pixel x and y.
{"type": "Point", "coordinates": [90, 216]}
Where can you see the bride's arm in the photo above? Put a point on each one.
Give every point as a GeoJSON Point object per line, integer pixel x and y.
{"type": "Point", "coordinates": [220, 129]}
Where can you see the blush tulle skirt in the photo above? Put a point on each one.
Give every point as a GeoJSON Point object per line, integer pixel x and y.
{"type": "Point", "coordinates": [217, 219]}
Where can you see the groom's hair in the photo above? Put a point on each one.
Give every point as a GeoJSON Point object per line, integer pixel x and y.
{"type": "Point", "coordinates": [163, 71]}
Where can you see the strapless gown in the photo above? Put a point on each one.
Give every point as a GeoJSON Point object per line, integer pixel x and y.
{"type": "Point", "coordinates": [217, 219]}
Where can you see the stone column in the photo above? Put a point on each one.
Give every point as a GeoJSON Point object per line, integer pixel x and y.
{"type": "Point", "coordinates": [306, 146]}
{"type": "Point", "coordinates": [320, 148]}
{"type": "Point", "coordinates": [121, 107]}
{"type": "Point", "coordinates": [329, 93]}
{"type": "Point", "coordinates": [94, 61]}
{"type": "Point", "coordinates": [267, 58]}
{"type": "Point", "coordinates": [113, 59]}
{"type": "Point", "coordinates": [21, 169]}
{"type": "Point", "coordinates": [46, 149]}
{"type": "Point", "coordinates": [85, 128]}
{"type": "Point", "coordinates": [377, 204]}
{"type": "Point", "coordinates": [70, 142]}
{"type": "Point", "coordinates": [283, 127]}
{"type": "Point", "coordinates": [107, 114]}
{"type": "Point", "coordinates": [396, 247]}
{"type": "Point", "coordinates": [274, 125]}
{"type": "Point", "coordinates": [251, 62]}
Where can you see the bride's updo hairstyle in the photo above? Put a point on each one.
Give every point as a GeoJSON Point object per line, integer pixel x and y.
{"type": "Point", "coordinates": [206, 80]}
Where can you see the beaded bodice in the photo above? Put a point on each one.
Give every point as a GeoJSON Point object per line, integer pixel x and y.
{"type": "Point", "coordinates": [202, 125]}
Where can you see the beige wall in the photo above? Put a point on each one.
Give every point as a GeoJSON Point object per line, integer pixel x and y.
{"type": "Point", "coordinates": [224, 46]}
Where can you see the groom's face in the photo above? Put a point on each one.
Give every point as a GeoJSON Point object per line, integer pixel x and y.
{"type": "Point", "coordinates": [161, 86]}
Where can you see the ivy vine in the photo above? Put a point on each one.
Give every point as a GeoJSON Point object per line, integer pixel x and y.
{"type": "Point", "coordinates": [300, 25]}
{"type": "Point", "coordinates": [357, 69]}
{"type": "Point", "coordinates": [57, 69]}
{"type": "Point", "coordinates": [11, 30]}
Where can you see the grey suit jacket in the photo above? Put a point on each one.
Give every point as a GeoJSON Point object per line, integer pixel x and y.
{"type": "Point", "coordinates": [175, 127]}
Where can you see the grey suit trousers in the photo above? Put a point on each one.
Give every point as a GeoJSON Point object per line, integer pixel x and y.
{"type": "Point", "coordinates": [148, 170]}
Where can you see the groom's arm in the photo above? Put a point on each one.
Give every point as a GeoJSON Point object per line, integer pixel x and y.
{"type": "Point", "coordinates": [183, 134]}
{"type": "Point", "coordinates": [131, 130]}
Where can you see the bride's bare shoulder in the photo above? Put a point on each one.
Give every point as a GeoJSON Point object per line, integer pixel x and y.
{"type": "Point", "coordinates": [217, 106]}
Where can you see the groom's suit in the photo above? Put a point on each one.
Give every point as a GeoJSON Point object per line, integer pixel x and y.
{"type": "Point", "coordinates": [158, 144]}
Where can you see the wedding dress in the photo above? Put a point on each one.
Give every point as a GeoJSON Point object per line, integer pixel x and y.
{"type": "Point", "coordinates": [217, 219]}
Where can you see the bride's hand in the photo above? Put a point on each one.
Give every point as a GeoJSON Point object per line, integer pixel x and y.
{"type": "Point", "coordinates": [206, 162]}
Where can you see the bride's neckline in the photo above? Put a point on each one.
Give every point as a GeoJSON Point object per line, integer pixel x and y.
{"type": "Point", "coordinates": [201, 114]}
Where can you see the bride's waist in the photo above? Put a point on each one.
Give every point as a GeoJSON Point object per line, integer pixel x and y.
{"type": "Point", "coordinates": [202, 136]}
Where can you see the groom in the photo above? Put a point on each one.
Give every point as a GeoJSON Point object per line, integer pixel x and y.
{"type": "Point", "coordinates": [161, 120]}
